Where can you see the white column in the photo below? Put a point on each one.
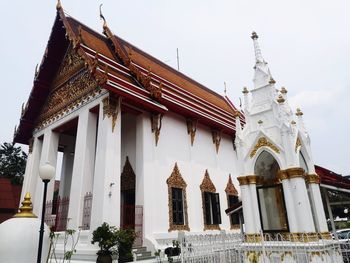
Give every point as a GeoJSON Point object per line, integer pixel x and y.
{"type": "Point", "coordinates": [106, 187]}
{"type": "Point", "coordinates": [254, 202]}
{"type": "Point", "coordinates": [288, 199]}
{"type": "Point", "coordinates": [301, 200]}
{"type": "Point", "coordinates": [66, 171]}
{"type": "Point", "coordinates": [246, 205]}
{"type": "Point", "coordinates": [83, 166]}
{"type": "Point", "coordinates": [315, 195]}
{"type": "Point", "coordinates": [32, 167]}
{"type": "Point", "coordinates": [48, 154]}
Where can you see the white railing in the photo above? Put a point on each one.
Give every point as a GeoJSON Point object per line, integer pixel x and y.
{"type": "Point", "coordinates": [264, 248]}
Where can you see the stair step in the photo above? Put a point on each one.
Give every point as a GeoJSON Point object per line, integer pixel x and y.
{"type": "Point", "coordinates": [145, 258]}
{"type": "Point", "coordinates": [139, 249]}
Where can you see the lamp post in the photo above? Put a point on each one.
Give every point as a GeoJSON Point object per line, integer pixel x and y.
{"type": "Point", "coordinates": [46, 173]}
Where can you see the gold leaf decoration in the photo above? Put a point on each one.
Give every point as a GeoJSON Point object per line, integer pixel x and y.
{"type": "Point", "coordinates": [261, 143]}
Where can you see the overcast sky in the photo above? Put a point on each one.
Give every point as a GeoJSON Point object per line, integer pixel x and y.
{"type": "Point", "coordinates": [306, 43]}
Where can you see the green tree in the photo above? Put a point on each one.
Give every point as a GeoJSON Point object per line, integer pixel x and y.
{"type": "Point", "coordinates": [12, 162]}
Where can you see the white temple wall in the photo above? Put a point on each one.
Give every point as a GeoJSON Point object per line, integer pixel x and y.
{"type": "Point", "coordinates": [175, 146]}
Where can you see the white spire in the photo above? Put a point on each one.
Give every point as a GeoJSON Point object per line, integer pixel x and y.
{"type": "Point", "coordinates": [258, 55]}
{"type": "Point", "coordinates": [262, 75]}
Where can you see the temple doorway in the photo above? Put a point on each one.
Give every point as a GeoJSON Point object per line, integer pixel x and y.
{"type": "Point", "coordinates": [127, 195]}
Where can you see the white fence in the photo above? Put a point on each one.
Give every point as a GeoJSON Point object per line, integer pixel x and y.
{"type": "Point", "coordinates": [267, 248]}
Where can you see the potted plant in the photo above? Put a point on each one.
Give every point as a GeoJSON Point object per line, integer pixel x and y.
{"type": "Point", "coordinates": [106, 237]}
{"type": "Point", "coordinates": [125, 238]}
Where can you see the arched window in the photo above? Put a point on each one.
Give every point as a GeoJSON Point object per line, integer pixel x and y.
{"type": "Point", "coordinates": [270, 194]}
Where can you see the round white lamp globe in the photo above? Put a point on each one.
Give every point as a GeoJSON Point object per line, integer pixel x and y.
{"type": "Point", "coordinates": [46, 172]}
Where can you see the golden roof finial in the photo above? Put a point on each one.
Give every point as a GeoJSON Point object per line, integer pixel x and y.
{"type": "Point", "coordinates": [26, 210]}
{"type": "Point", "coordinates": [102, 17]}
{"type": "Point", "coordinates": [254, 35]}
{"type": "Point", "coordinates": [245, 90]}
{"type": "Point", "coordinates": [299, 113]}
{"type": "Point", "coordinates": [280, 99]}
{"type": "Point", "coordinates": [225, 88]}
{"type": "Point", "coordinates": [284, 90]}
{"type": "Point", "coordinates": [58, 5]}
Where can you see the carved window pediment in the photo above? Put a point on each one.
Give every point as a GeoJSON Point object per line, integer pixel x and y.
{"type": "Point", "coordinates": [207, 185]}
{"type": "Point", "coordinates": [230, 187]}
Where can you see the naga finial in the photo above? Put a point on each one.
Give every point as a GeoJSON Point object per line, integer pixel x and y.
{"type": "Point", "coordinates": [102, 17]}
{"type": "Point", "coordinates": [58, 5]}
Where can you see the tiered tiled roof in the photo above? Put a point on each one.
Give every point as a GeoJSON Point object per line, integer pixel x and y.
{"type": "Point", "coordinates": [122, 68]}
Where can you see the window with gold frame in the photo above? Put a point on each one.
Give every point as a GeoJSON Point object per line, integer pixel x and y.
{"type": "Point", "coordinates": [232, 199]}
{"type": "Point", "coordinates": [210, 204]}
{"type": "Point", "coordinates": [177, 201]}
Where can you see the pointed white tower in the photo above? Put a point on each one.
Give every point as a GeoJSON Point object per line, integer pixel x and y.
{"type": "Point", "coordinates": [275, 152]}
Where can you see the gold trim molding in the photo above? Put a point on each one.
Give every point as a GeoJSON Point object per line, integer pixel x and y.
{"type": "Point", "coordinates": [290, 173]}
{"type": "Point", "coordinates": [261, 143]}
{"type": "Point", "coordinates": [176, 181]}
{"type": "Point", "coordinates": [191, 129]}
{"type": "Point", "coordinates": [249, 179]}
{"type": "Point", "coordinates": [312, 179]}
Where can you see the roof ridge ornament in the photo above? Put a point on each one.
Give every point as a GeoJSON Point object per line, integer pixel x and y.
{"type": "Point", "coordinates": [103, 18]}
{"type": "Point", "coordinates": [58, 5]}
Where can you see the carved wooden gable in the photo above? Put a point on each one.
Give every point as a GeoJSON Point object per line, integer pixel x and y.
{"type": "Point", "coordinates": [207, 185]}
{"type": "Point", "coordinates": [128, 178]}
{"type": "Point", "coordinates": [71, 85]}
{"type": "Point", "coordinates": [230, 188]}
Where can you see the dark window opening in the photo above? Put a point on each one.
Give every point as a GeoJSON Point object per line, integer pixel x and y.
{"type": "Point", "coordinates": [212, 208]}
{"type": "Point", "coordinates": [178, 209]}
{"type": "Point", "coordinates": [234, 218]}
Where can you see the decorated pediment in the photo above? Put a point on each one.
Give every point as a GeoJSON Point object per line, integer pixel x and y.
{"type": "Point", "coordinates": [175, 179]}
{"type": "Point", "coordinates": [207, 185]}
{"type": "Point", "coordinates": [230, 188]}
{"type": "Point", "coordinates": [72, 63]}
{"type": "Point", "coordinates": [72, 84]}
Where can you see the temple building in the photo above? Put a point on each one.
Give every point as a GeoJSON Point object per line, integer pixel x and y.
{"type": "Point", "coordinates": [146, 147]}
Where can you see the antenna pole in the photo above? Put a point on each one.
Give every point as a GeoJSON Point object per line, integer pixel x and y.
{"type": "Point", "coordinates": [178, 61]}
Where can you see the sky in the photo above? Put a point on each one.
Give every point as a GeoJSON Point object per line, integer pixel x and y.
{"type": "Point", "coordinates": [306, 43]}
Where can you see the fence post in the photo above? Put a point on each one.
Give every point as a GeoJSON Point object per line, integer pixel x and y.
{"type": "Point", "coordinates": [181, 240]}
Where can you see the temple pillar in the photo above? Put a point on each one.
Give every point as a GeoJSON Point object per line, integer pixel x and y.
{"type": "Point", "coordinates": [48, 154]}
{"type": "Point", "coordinates": [106, 185]}
{"type": "Point", "coordinates": [315, 195]}
{"type": "Point", "coordinates": [288, 199]}
{"type": "Point", "coordinates": [32, 168]}
{"type": "Point", "coordinates": [83, 166]}
{"type": "Point", "coordinates": [301, 200]}
{"type": "Point", "coordinates": [66, 171]}
{"type": "Point", "coordinates": [252, 180]}
{"type": "Point", "coordinates": [247, 205]}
